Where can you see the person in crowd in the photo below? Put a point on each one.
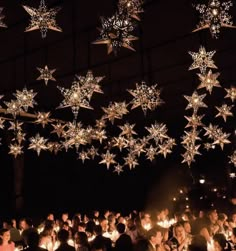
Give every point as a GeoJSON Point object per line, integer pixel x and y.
{"type": "Point", "coordinates": [63, 237]}
{"type": "Point", "coordinates": [220, 242]}
{"type": "Point", "coordinates": [27, 227]}
{"type": "Point", "coordinates": [81, 242]}
{"type": "Point", "coordinates": [14, 232]}
{"type": "Point", "coordinates": [198, 243]}
{"type": "Point", "coordinates": [33, 242]}
{"type": "Point", "coordinates": [232, 241]}
{"type": "Point", "coordinates": [180, 240]}
{"type": "Point", "coordinates": [124, 241]}
{"type": "Point", "coordinates": [101, 240]}
{"type": "Point", "coordinates": [5, 240]}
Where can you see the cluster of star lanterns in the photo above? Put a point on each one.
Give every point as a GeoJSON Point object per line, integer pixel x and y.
{"type": "Point", "coordinates": [213, 135]}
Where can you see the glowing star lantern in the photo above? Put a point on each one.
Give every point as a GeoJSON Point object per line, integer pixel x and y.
{"type": "Point", "coordinates": [2, 24]}
{"type": "Point", "coordinates": [233, 158]}
{"type": "Point", "coordinates": [118, 169]}
{"type": "Point", "coordinates": [202, 60]}
{"type": "Point", "coordinates": [13, 107]}
{"type": "Point", "coordinates": [231, 93]}
{"type": "Point", "coordinates": [116, 33]}
{"type": "Point", "coordinates": [25, 98]}
{"type": "Point", "coordinates": [46, 74]}
{"type": "Point", "coordinates": [108, 159]}
{"type": "Point", "coordinates": [224, 111]}
{"type": "Point", "coordinates": [147, 97]}
{"type": "Point", "coordinates": [42, 19]}
{"type": "Point", "coordinates": [131, 8]}
{"type": "Point", "coordinates": [43, 118]}
{"type": "Point", "coordinates": [214, 16]}
{"type": "Point", "coordinates": [195, 101]}
{"type": "Point", "coordinates": [38, 143]}
{"type": "Point", "coordinates": [15, 150]}
{"type": "Point", "coordinates": [208, 80]}
{"type": "Point", "coordinates": [80, 93]}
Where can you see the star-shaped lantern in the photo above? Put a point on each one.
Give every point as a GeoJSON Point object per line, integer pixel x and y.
{"type": "Point", "coordinates": [224, 111]}
{"type": "Point", "coordinates": [232, 158]}
{"type": "Point", "coordinates": [25, 98]}
{"type": "Point", "coordinates": [148, 97]}
{"type": "Point", "coordinates": [214, 16]}
{"type": "Point", "coordinates": [116, 33]}
{"type": "Point", "coordinates": [202, 60]}
{"type": "Point", "coordinates": [131, 8]}
{"type": "Point", "coordinates": [46, 74]}
{"type": "Point", "coordinates": [15, 150]}
{"type": "Point", "coordinates": [231, 93]}
{"type": "Point", "coordinates": [131, 161]}
{"type": "Point", "coordinates": [195, 101]}
{"type": "Point", "coordinates": [42, 19]}
{"type": "Point", "coordinates": [118, 169]}
{"type": "Point", "coordinates": [209, 80]}
{"type": "Point", "coordinates": [2, 24]}
{"type": "Point", "coordinates": [38, 143]}
{"type": "Point", "coordinates": [13, 107]}
{"type": "Point", "coordinates": [43, 118]}
{"type": "Point", "coordinates": [108, 159]}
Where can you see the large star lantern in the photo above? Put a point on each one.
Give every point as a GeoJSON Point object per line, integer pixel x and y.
{"type": "Point", "coordinates": [2, 24]}
{"type": "Point", "coordinates": [25, 98]}
{"type": "Point", "coordinates": [116, 33]}
{"type": "Point", "coordinates": [46, 74]}
{"type": "Point", "coordinates": [209, 80]}
{"type": "Point", "coordinates": [195, 101]}
{"type": "Point", "coordinates": [214, 16]}
{"type": "Point", "coordinates": [147, 97]}
{"type": "Point", "coordinates": [38, 143]}
{"type": "Point", "coordinates": [42, 19]}
{"type": "Point", "coordinates": [202, 60]}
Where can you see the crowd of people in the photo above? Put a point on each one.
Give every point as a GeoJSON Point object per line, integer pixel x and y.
{"type": "Point", "coordinates": [111, 231]}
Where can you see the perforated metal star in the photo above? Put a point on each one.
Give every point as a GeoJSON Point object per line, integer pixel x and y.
{"type": "Point", "coordinates": [38, 143]}
{"type": "Point", "coordinates": [202, 60]}
{"type": "Point", "coordinates": [147, 97]}
{"type": "Point", "coordinates": [108, 159]}
{"type": "Point", "coordinates": [116, 33]}
{"type": "Point", "coordinates": [209, 80]}
{"type": "Point", "coordinates": [58, 129]}
{"type": "Point", "coordinates": [214, 16]}
{"type": "Point", "coordinates": [46, 74]}
{"type": "Point", "coordinates": [15, 150]}
{"type": "Point", "coordinates": [224, 111]}
{"type": "Point", "coordinates": [42, 19]}
{"type": "Point", "coordinates": [195, 101]}
{"type": "Point", "coordinates": [43, 118]}
{"type": "Point", "coordinates": [231, 93]}
{"type": "Point", "coordinates": [13, 107]}
{"type": "Point", "coordinates": [2, 24]}
{"type": "Point", "coordinates": [131, 8]}
{"type": "Point", "coordinates": [25, 98]}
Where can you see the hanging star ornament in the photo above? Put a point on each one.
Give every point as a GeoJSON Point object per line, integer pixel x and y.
{"type": "Point", "coordinates": [231, 93]}
{"type": "Point", "coordinates": [42, 19]}
{"type": "Point", "coordinates": [38, 143]}
{"type": "Point", "coordinates": [214, 16]}
{"type": "Point", "coordinates": [15, 150]}
{"type": "Point", "coordinates": [108, 159]}
{"type": "Point", "coordinates": [43, 118]}
{"type": "Point", "coordinates": [118, 169]}
{"type": "Point", "coordinates": [116, 33]}
{"type": "Point", "coordinates": [232, 158]}
{"type": "Point", "coordinates": [209, 80]}
{"type": "Point", "coordinates": [46, 74]}
{"type": "Point", "coordinates": [224, 111]}
{"type": "Point", "coordinates": [2, 24]}
{"type": "Point", "coordinates": [25, 98]}
{"type": "Point", "coordinates": [195, 101]}
{"type": "Point", "coordinates": [131, 8]}
{"type": "Point", "coordinates": [147, 97]}
{"type": "Point", "coordinates": [202, 60]}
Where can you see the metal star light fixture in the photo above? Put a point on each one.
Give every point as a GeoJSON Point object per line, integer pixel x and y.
{"type": "Point", "coordinates": [214, 16]}
{"type": "Point", "coordinates": [42, 19]}
{"type": "Point", "coordinates": [46, 74]}
{"type": "Point", "coordinates": [131, 7]}
{"type": "Point", "coordinates": [116, 33]}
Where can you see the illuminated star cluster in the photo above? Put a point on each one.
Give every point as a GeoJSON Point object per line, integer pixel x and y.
{"type": "Point", "coordinates": [42, 19]}
{"type": "Point", "coordinates": [214, 16]}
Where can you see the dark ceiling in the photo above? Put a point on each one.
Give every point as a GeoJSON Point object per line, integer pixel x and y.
{"type": "Point", "coordinates": [161, 57]}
